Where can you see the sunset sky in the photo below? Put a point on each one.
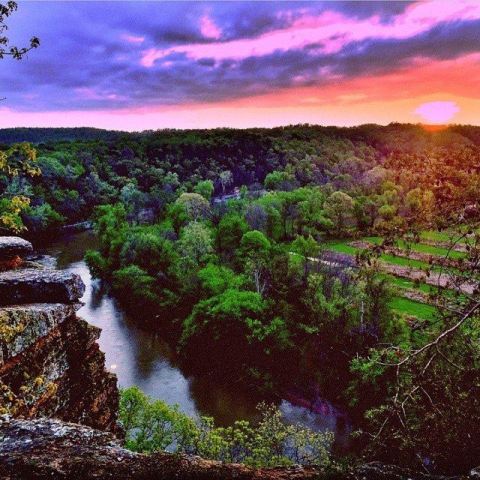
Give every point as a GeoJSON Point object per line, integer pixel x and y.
{"type": "Point", "coordinates": [149, 65]}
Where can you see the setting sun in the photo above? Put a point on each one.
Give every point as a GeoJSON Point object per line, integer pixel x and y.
{"type": "Point", "coordinates": [437, 112]}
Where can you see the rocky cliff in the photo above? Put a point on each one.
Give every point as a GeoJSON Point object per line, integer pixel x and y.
{"type": "Point", "coordinates": [50, 363]}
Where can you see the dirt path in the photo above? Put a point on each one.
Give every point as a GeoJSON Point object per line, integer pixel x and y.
{"type": "Point", "coordinates": [459, 247]}
{"type": "Point", "coordinates": [437, 279]}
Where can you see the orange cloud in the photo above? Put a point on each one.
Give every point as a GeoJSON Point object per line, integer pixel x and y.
{"type": "Point", "coordinates": [370, 99]}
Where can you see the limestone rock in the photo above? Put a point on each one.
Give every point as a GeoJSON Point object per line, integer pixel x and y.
{"type": "Point", "coordinates": [39, 286]}
{"type": "Point", "coordinates": [22, 325]}
{"type": "Point", "coordinates": [50, 362]}
{"type": "Point", "coordinates": [11, 247]}
{"type": "Point", "coordinates": [62, 375]}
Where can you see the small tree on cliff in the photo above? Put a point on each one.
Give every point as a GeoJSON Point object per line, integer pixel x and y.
{"type": "Point", "coordinates": [18, 159]}
{"type": "Point", "coordinates": [7, 9]}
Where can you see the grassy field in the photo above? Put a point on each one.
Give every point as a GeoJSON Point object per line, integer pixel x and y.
{"type": "Point", "coordinates": [445, 236]}
{"type": "Point", "coordinates": [420, 248]}
{"type": "Point", "coordinates": [400, 303]}
{"type": "Point", "coordinates": [435, 236]}
{"type": "Point", "coordinates": [342, 246]}
{"type": "Point", "coordinates": [422, 311]}
{"type": "Point", "coordinates": [432, 250]}
{"type": "Point", "coordinates": [409, 284]}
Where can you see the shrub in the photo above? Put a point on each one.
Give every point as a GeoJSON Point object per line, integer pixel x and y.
{"type": "Point", "coordinates": [152, 425]}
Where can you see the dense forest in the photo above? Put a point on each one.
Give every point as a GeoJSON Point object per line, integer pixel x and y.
{"type": "Point", "coordinates": [353, 252]}
{"type": "Point", "coordinates": [391, 173]}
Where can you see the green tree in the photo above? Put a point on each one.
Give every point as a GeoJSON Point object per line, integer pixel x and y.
{"type": "Point", "coordinates": [312, 218]}
{"type": "Point", "coordinates": [42, 217]}
{"type": "Point", "coordinates": [308, 248]}
{"type": "Point", "coordinates": [195, 244]}
{"type": "Point", "coordinates": [256, 217]}
{"type": "Point", "coordinates": [215, 279]}
{"type": "Point", "coordinates": [230, 311]}
{"type": "Point", "coordinates": [229, 233]}
{"type": "Point", "coordinates": [339, 208]}
{"type": "Point", "coordinates": [254, 250]}
{"type": "Point", "coordinates": [135, 286]}
{"type": "Point", "coordinates": [152, 425]}
{"type": "Point", "coordinates": [279, 181]}
{"type": "Point", "coordinates": [196, 206]}
{"type": "Point", "coordinates": [205, 189]}
{"type": "Point", "coordinates": [110, 223]}
{"type": "Point", "coordinates": [132, 198]}
{"type": "Point", "coordinates": [421, 204]}
{"type": "Point", "coordinates": [149, 251]}
{"type": "Point", "coordinates": [226, 179]}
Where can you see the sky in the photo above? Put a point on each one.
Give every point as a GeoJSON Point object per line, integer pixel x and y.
{"type": "Point", "coordinates": [149, 65]}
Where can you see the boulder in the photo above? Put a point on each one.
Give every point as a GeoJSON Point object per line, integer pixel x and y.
{"type": "Point", "coordinates": [11, 247]}
{"type": "Point", "coordinates": [39, 286]}
{"type": "Point", "coordinates": [22, 325]}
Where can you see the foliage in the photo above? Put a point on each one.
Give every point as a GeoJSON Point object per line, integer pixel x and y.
{"type": "Point", "coordinates": [17, 161]}
{"type": "Point", "coordinates": [196, 206]}
{"type": "Point", "coordinates": [278, 180]}
{"type": "Point", "coordinates": [205, 188]}
{"type": "Point", "coordinates": [229, 233]}
{"type": "Point", "coordinates": [195, 244]}
{"type": "Point", "coordinates": [232, 311]}
{"type": "Point", "coordinates": [429, 377]}
{"type": "Point", "coordinates": [152, 425]}
{"type": "Point", "coordinates": [138, 284]}
{"type": "Point", "coordinates": [149, 251]}
{"type": "Point", "coordinates": [372, 165]}
{"type": "Point", "coordinates": [339, 208]}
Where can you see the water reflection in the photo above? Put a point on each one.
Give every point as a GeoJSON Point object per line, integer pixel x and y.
{"type": "Point", "coordinates": [142, 358]}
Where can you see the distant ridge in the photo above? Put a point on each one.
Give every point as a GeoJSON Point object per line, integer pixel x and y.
{"type": "Point", "coordinates": [60, 134]}
{"type": "Point", "coordinates": [40, 135]}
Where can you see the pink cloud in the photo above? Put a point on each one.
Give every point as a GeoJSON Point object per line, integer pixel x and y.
{"type": "Point", "coordinates": [330, 30]}
{"type": "Point", "coordinates": [87, 93]}
{"type": "Point", "coordinates": [133, 38]}
{"type": "Point", "coordinates": [91, 94]}
{"type": "Point", "coordinates": [208, 28]}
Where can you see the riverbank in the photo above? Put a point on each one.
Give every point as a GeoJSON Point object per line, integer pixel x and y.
{"type": "Point", "coordinates": [148, 359]}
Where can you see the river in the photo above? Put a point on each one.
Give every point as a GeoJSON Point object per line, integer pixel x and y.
{"type": "Point", "coordinates": [145, 359]}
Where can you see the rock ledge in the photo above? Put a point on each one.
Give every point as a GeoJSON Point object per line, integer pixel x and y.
{"type": "Point", "coordinates": [11, 247]}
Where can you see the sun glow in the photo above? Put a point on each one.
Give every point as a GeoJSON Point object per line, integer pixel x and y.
{"type": "Point", "coordinates": [437, 112]}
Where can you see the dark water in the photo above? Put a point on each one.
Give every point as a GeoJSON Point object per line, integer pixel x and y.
{"type": "Point", "coordinates": [142, 358]}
